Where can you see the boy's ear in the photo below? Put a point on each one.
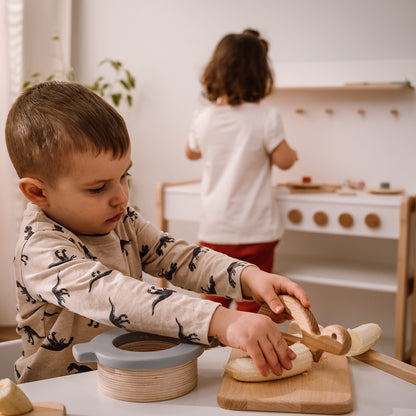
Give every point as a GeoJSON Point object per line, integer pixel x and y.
{"type": "Point", "coordinates": [34, 190]}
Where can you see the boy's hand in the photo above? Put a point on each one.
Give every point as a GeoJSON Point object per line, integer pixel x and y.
{"type": "Point", "coordinates": [255, 334]}
{"type": "Point", "coordinates": [264, 287]}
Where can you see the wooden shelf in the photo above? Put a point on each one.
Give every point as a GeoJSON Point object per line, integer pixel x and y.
{"type": "Point", "coordinates": [339, 272]}
{"type": "Point", "coordinates": [356, 86]}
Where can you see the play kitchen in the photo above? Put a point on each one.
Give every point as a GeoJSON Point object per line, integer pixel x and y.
{"type": "Point", "coordinates": [146, 374]}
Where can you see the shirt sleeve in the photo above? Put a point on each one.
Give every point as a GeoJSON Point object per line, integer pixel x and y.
{"type": "Point", "coordinates": [193, 137]}
{"type": "Point", "coordinates": [274, 130]}
{"type": "Point", "coordinates": [58, 269]}
{"type": "Point", "coordinates": [186, 265]}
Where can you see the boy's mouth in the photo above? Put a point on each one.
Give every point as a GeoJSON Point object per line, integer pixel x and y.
{"type": "Point", "coordinates": [115, 218]}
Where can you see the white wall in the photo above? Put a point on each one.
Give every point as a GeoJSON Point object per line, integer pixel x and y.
{"type": "Point", "coordinates": [167, 43]}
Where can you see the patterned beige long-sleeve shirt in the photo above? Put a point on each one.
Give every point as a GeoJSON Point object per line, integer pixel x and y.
{"type": "Point", "coordinates": [71, 288]}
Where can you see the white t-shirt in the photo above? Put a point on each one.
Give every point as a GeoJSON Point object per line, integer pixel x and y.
{"type": "Point", "coordinates": [237, 199]}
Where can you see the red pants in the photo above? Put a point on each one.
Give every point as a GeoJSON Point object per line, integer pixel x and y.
{"type": "Point", "coordinates": [260, 254]}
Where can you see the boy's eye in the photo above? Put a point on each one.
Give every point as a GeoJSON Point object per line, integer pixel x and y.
{"type": "Point", "coordinates": [126, 175]}
{"type": "Point", "coordinates": [96, 190]}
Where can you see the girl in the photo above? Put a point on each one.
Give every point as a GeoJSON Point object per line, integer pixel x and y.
{"type": "Point", "coordinates": [239, 140]}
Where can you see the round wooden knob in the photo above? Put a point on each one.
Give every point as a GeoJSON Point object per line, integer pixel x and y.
{"type": "Point", "coordinates": [372, 220]}
{"type": "Point", "coordinates": [295, 216]}
{"type": "Point", "coordinates": [320, 218]}
{"type": "Point", "coordinates": [346, 220]}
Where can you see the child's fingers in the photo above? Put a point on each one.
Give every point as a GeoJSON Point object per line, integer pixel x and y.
{"type": "Point", "coordinates": [282, 351]}
{"type": "Point", "coordinates": [275, 354]}
{"type": "Point", "coordinates": [300, 294]}
{"type": "Point", "coordinates": [275, 305]}
{"type": "Point", "coordinates": [256, 354]}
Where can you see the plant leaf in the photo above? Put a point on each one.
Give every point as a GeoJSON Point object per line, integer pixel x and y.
{"type": "Point", "coordinates": [131, 79]}
{"type": "Point", "coordinates": [116, 65]}
{"type": "Point", "coordinates": [125, 84]}
{"type": "Point", "coordinates": [116, 99]}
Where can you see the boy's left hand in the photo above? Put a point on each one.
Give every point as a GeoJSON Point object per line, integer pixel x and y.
{"type": "Point", "coordinates": [264, 287]}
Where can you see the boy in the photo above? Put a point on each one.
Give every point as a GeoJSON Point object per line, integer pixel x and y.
{"type": "Point", "coordinates": [82, 249]}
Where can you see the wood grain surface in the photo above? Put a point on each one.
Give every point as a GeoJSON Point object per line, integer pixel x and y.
{"type": "Point", "coordinates": [46, 409]}
{"type": "Point", "coordinates": [325, 389]}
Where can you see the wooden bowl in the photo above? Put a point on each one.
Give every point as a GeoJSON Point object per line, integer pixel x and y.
{"type": "Point", "coordinates": [140, 367]}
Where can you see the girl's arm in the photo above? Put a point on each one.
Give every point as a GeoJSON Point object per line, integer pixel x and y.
{"type": "Point", "coordinates": [191, 154]}
{"type": "Point", "coordinates": [283, 156]}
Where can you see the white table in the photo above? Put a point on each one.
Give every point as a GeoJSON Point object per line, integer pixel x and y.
{"type": "Point", "coordinates": [375, 393]}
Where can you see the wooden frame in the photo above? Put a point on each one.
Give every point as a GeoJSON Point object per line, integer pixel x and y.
{"type": "Point", "coordinates": [406, 281]}
{"type": "Point", "coordinates": [161, 220]}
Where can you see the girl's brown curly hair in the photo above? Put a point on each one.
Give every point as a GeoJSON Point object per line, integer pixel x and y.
{"type": "Point", "coordinates": [239, 68]}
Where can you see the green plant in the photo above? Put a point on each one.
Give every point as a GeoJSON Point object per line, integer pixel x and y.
{"type": "Point", "coordinates": [115, 87]}
{"type": "Point", "coordinates": [123, 78]}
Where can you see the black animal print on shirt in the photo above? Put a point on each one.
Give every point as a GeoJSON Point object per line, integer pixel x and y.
{"type": "Point", "coordinates": [24, 291]}
{"type": "Point", "coordinates": [97, 275]}
{"type": "Point", "coordinates": [168, 274]}
{"type": "Point", "coordinates": [123, 244]}
{"type": "Point", "coordinates": [211, 288]}
{"type": "Point", "coordinates": [93, 324]}
{"type": "Point", "coordinates": [118, 321]}
{"type": "Point", "coordinates": [87, 253]}
{"type": "Point", "coordinates": [60, 293]}
{"type": "Point", "coordinates": [31, 333]}
{"type": "Point", "coordinates": [79, 368]}
{"type": "Point", "coordinates": [55, 344]}
{"type": "Point", "coordinates": [58, 228]}
{"type": "Point", "coordinates": [195, 256]}
{"type": "Point", "coordinates": [24, 259]}
{"type": "Point", "coordinates": [131, 214]}
{"type": "Point", "coordinates": [145, 249]}
{"type": "Point", "coordinates": [231, 271]}
{"type": "Point", "coordinates": [28, 231]}
{"type": "Point", "coordinates": [163, 243]}
{"type": "Point", "coordinates": [16, 372]}
{"type": "Point", "coordinates": [62, 257]}
{"type": "Point", "coordinates": [161, 295]}
{"type": "Point", "coordinates": [191, 337]}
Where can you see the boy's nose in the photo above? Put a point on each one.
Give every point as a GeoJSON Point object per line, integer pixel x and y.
{"type": "Point", "coordinates": [121, 195]}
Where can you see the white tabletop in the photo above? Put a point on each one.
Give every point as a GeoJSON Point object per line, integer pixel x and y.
{"type": "Point", "coordinates": [375, 393]}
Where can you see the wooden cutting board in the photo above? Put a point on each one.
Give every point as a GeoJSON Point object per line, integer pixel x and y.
{"type": "Point", "coordinates": [326, 388]}
{"type": "Point", "coordinates": [46, 409]}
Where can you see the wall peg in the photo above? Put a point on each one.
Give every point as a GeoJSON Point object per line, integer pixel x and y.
{"type": "Point", "coordinates": [361, 112]}
{"type": "Point", "coordinates": [300, 111]}
{"type": "Point", "coordinates": [329, 111]}
{"type": "Point", "coordinates": [394, 112]}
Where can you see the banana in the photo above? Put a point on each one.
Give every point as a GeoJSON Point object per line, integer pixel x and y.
{"type": "Point", "coordinates": [363, 338]}
{"type": "Point", "coordinates": [13, 401]}
{"type": "Point", "coordinates": [244, 369]}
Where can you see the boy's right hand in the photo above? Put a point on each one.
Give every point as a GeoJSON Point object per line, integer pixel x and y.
{"type": "Point", "coordinates": [255, 334]}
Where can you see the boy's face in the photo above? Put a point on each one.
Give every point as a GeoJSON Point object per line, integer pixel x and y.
{"type": "Point", "coordinates": [92, 197]}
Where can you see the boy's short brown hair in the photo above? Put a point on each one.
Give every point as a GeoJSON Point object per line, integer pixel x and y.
{"type": "Point", "coordinates": [239, 68]}
{"type": "Point", "coordinates": [52, 120]}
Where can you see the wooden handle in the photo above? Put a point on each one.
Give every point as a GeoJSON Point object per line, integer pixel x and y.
{"type": "Point", "coordinates": [390, 365]}
{"type": "Point", "coordinates": [334, 338]}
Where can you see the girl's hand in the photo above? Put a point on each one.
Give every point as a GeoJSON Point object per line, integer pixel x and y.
{"type": "Point", "coordinates": [255, 334]}
{"type": "Point", "coordinates": [264, 287]}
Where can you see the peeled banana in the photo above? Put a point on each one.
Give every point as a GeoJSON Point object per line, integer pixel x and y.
{"type": "Point", "coordinates": [13, 401]}
{"type": "Point", "coordinates": [244, 369]}
{"type": "Point", "coordinates": [363, 338]}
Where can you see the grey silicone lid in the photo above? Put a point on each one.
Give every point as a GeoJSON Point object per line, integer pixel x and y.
{"type": "Point", "coordinates": [104, 349]}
